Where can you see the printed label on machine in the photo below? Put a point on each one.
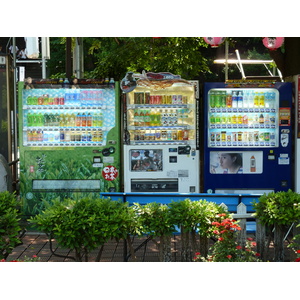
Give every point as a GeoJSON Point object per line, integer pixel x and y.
{"type": "Point", "coordinates": [283, 159]}
{"type": "Point", "coordinates": [237, 162]}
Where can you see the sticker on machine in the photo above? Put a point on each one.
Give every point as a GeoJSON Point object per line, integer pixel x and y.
{"type": "Point", "coordinates": [237, 162]}
{"type": "Point", "coordinates": [183, 173]}
{"type": "Point", "coordinates": [110, 173]}
{"type": "Point", "coordinates": [283, 159]}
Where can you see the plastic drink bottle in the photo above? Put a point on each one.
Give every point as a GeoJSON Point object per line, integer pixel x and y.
{"type": "Point", "coordinates": [141, 119]}
{"type": "Point", "coordinates": [234, 100]}
{"type": "Point", "coordinates": [218, 100]}
{"type": "Point", "coordinates": [212, 99]}
{"type": "Point", "coordinates": [261, 100]}
{"type": "Point", "coordinates": [250, 100]}
{"type": "Point", "coordinates": [245, 99]}
{"type": "Point", "coordinates": [83, 120]}
{"type": "Point", "coordinates": [223, 99]}
{"type": "Point", "coordinates": [240, 99]}
{"type": "Point", "coordinates": [89, 120]}
{"type": "Point", "coordinates": [147, 118]}
{"type": "Point", "coordinates": [256, 100]}
{"type": "Point", "coordinates": [229, 100]}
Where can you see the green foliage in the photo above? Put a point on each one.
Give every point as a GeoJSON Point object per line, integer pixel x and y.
{"type": "Point", "coordinates": [85, 224]}
{"type": "Point", "coordinates": [155, 218]}
{"type": "Point", "coordinates": [9, 224]}
{"type": "Point", "coordinates": [195, 215]}
{"type": "Point", "coordinates": [281, 208]}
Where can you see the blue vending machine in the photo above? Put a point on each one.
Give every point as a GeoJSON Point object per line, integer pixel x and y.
{"type": "Point", "coordinates": [248, 137]}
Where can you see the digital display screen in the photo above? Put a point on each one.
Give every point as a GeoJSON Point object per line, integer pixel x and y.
{"type": "Point", "coordinates": [146, 160]}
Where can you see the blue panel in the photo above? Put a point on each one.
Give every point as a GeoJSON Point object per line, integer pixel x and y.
{"type": "Point", "coordinates": [230, 200]}
{"type": "Point", "coordinates": [247, 200]}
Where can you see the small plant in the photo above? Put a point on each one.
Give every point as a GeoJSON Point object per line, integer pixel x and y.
{"type": "Point", "coordinates": [194, 218]}
{"type": "Point", "coordinates": [84, 225]}
{"type": "Point", "coordinates": [278, 210]}
{"type": "Point", "coordinates": [9, 224]}
{"type": "Point", "coordinates": [157, 222]}
{"type": "Point", "coordinates": [226, 249]}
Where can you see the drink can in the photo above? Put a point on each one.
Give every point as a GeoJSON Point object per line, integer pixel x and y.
{"type": "Point", "coordinates": [212, 137]}
{"type": "Point", "coordinates": [256, 136]}
{"type": "Point", "coordinates": [240, 136]}
{"type": "Point", "coordinates": [174, 99]}
{"type": "Point", "coordinates": [164, 99]}
{"type": "Point", "coordinates": [169, 99]}
{"type": "Point", "coordinates": [228, 137]}
{"type": "Point", "coordinates": [135, 98]}
{"type": "Point", "coordinates": [157, 135]}
{"type": "Point", "coordinates": [184, 99]}
{"type": "Point", "coordinates": [61, 101]}
{"type": "Point", "coordinates": [250, 137]}
{"type": "Point", "coordinates": [163, 134]}
{"type": "Point", "coordinates": [267, 136]}
{"type": "Point", "coordinates": [234, 137]}
{"type": "Point", "coordinates": [157, 99]}
{"type": "Point", "coordinates": [147, 98]}
{"type": "Point", "coordinates": [218, 136]}
{"type": "Point", "coordinates": [223, 136]}
{"type": "Point", "coordinates": [180, 135]}
{"type": "Point", "coordinates": [142, 135]}
{"type": "Point", "coordinates": [261, 137]}
{"type": "Point", "coordinates": [142, 98]}
{"type": "Point", "coordinates": [272, 136]}
{"type": "Point", "coordinates": [174, 135]}
{"type": "Point", "coordinates": [152, 99]}
{"type": "Point", "coordinates": [185, 135]}
{"type": "Point", "coordinates": [179, 99]}
{"type": "Point", "coordinates": [40, 100]}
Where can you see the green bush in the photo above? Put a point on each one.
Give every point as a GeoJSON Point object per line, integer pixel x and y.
{"type": "Point", "coordinates": [156, 221]}
{"type": "Point", "coordinates": [280, 208]}
{"type": "Point", "coordinates": [84, 225]}
{"type": "Point", "coordinates": [9, 224]}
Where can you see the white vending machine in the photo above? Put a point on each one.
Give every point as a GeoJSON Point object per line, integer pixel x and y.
{"type": "Point", "coordinates": [161, 152]}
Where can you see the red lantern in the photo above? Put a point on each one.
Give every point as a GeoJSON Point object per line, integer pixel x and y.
{"type": "Point", "coordinates": [273, 43]}
{"type": "Point", "coordinates": [214, 42]}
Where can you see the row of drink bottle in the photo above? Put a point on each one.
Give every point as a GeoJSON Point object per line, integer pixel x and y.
{"type": "Point", "coordinates": [84, 119]}
{"type": "Point", "coordinates": [241, 99]}
{"type": "Point", "coordinates": [242, 136]}
{"type": "Point", "coordinates": [64, 136]}
{"type": "Point", "coordinates": [151, 117]}
{"type": "Point", "coordinates": [73, 97]}
{"type": "Point", "coordinates": [251, 119]}
{"type": "Point", "coordinates": [161, 135]}
{"type": "Point", "coordinates": [147, 98]}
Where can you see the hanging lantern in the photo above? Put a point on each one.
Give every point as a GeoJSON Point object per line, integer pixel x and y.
{"type": "Point", "coordinates": [273, 43]}
{"type": "Point", "coordinates": [214, 42]}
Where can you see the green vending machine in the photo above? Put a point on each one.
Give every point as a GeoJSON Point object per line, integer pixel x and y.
{"type": "Point", "coordinates": [69, 140]}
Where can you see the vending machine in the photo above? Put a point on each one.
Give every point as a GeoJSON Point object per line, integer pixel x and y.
{"type": "Point", "coordinates": [248, 137]}
{"type": "Point", "coordinates": [69, 138]}
{"type": "Point", "coordinates": [161, 152]}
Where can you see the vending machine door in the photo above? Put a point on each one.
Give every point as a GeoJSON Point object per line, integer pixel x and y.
{"type": "Point", "coordinates": [248, 137]}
